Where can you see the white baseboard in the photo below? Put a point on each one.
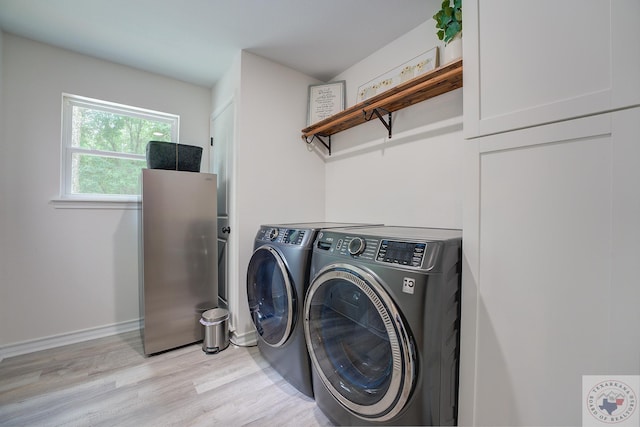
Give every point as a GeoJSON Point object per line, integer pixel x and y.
{"type": "Point", "coordinates": [248, 339]}
{"type": "Point", "coordinates": [53, 341]}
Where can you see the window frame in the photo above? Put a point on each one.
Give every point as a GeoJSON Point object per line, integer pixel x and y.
{"type": "Point", "coordinates": [68, 150]}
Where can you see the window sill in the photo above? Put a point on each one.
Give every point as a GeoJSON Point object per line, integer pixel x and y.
{"type": "Point", "coordinates": [88, 203]}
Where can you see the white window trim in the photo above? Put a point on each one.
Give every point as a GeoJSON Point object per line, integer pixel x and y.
{"type": "Point", "coordinates": [68, 200]}
{"type": "Point", "coordinates": [101, 202]}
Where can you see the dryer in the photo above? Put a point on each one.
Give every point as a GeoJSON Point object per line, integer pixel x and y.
{"type": "Point", "coordinates": [277, 279]}
{"type": "Point", "coordinates": [382, 319]}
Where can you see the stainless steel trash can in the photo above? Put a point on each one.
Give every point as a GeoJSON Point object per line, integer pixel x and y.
{"type": "Point", "coordinates": [216, 330]}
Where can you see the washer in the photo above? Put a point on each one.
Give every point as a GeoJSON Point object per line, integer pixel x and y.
{"type": "Point", "coordinates": [277, 278]}
{"type": "Point", "coordinates": [382, 325]}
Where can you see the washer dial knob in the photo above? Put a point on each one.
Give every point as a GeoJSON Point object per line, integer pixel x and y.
{"type": "Point", "coordinates": [356, 246]}
{"type": "Point", "coordinates": [273, 234]}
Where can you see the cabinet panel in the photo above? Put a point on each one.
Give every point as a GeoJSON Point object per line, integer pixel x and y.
{"type": "Point", "coordinates": [625, 293]}
{"type": "Point", "coordinates": [626, 53]}
{"type": "Point", "coordinates": [533, 66]}
{"type": "Point", "coordinates": [553, 240]}
{"type": "Point", "coordinates": [544, 264]}
{"type": "Point", "coordinates": [559, 60]}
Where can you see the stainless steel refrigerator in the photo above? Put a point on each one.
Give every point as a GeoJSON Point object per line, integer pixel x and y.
{"type": "Point", "coordinates": [179, 253]}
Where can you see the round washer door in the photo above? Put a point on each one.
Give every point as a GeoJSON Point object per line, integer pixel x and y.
{"type": "Point", "coordinates": [271, 296]}
{"type": "Point", "coordinates": [358, 342]}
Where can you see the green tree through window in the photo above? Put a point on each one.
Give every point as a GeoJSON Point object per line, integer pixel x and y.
{"type": "Point", "coordinates": [105, 143]}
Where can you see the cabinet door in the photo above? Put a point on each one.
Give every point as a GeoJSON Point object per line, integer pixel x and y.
{"type": "Point", "coordinates": [545, 61]}
{"type": "Point", "coordinates": [552, 244]}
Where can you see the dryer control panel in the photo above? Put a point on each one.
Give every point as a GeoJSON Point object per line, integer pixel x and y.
{"type": "Point", "coordinates": [291, 236]}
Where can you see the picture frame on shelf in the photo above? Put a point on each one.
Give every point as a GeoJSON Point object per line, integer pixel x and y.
{"type": "Point", "coordinates": [325, 100]}
{"type": "Point", "coordinates": [422, 63]}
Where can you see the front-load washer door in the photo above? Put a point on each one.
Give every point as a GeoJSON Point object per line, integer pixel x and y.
{"type": "Point", "coordinates": [271, 296]}
{"type": "Point", "coordinates": [358, 342]}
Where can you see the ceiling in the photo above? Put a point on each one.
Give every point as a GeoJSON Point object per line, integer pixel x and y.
{"type": "Point", "coordinates": [196, 40]}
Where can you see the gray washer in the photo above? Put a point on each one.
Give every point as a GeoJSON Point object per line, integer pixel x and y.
{"type": "Point", "coordinates": [382, 325]}
{"type": "Point", "coordinates": [277, 279]}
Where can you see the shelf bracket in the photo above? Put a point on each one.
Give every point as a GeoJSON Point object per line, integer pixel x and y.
{"type": "Point", "coordinates": [327, 144]}
{"type": "Point", "coordinates": [376, 112]}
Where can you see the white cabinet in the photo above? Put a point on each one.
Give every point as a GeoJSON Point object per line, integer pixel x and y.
{"type": "Point", "coordinates": [551, 228]}
{"type": "Point", "coordinates": [545, 61]}
{"type": "Point", "coordinates": [552, 242]}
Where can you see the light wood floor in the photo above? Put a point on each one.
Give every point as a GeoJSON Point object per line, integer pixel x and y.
{"type": "Point", "coordinates": [109, 382]}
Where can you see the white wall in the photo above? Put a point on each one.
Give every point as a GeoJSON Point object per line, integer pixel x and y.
{"type": "Point", "coordinates": [228, 87]}
{"type": "Point", "coordinates": [66, 270]}
{"type": "Point", "coordinates": [4, 188]}
{"type": "Point", "coordinates": [275, 178]}
{"type": "Point", "coordinates": [412, 179]}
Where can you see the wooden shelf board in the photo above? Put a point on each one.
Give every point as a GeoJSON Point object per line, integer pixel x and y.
{"type": "Point", "coordinates": [433, 83]}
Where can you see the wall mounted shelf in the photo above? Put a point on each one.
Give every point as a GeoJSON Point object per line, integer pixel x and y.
{"type": "Point", "coordinates": [433, 83]}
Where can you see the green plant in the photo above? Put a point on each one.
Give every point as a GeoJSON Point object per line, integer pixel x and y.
{"type": "Point", "coordinates": [449, 20]}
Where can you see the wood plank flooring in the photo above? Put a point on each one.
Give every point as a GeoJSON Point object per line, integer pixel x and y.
{"type": "Point", "coordinates": [109, 382]}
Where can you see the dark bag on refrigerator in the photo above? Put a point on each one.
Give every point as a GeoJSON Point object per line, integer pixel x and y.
{"type": "Point", "coordinates": [172, 156]}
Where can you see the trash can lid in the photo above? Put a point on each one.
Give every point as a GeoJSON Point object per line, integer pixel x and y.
{"type": "Point", "coordinates": [215, 315]}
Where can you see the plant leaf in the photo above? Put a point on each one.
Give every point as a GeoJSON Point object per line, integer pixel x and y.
{"type": "Point", "coordinates": [452, 30]}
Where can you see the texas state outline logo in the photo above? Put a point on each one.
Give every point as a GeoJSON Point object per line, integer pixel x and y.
{"type": "Point", "coordinates": [610, 400]}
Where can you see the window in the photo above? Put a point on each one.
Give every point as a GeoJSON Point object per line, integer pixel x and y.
{"type": "Point", "coordinates": [104, 146]}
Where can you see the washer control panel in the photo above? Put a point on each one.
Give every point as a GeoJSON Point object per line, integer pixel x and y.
{"type": "Point", "coordinates": [290, 236]}
{"type": "Point", "coordinates": [348, 246]}
{"type": "Point", "coordinates": [405, 253]}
